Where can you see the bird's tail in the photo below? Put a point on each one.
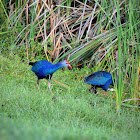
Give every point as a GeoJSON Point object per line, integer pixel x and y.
{"type": "Point", "coordinates": [32, 63]}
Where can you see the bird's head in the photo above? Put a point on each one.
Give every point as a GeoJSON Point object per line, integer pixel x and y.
{"type": "Point", "coordinates": [66, 64]}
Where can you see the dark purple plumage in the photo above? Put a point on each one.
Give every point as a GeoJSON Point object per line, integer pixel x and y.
{"type": "Point", "coordinates": [100, 79]}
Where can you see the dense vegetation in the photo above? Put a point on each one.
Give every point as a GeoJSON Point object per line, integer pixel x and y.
{"type": "Point", "coordinates": [92, 35]}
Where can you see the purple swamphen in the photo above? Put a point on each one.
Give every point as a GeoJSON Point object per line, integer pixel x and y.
{"type": "Point", "coordinates": [45, 69]}
{"type": "Point", "coordinates": [100, 79]}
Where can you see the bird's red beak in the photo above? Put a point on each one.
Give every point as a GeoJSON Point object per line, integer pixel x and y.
{"type": "Point", "coordinates": [69, 66]}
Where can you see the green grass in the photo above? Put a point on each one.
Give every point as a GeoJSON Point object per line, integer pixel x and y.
{"type": "Point", "coordinates": [28, 114]}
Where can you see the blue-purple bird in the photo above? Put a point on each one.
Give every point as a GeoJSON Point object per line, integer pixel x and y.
{"type": "Point", "coordinates": [45, 69]}
{"type": "Point", "coordinates": [100, 79]}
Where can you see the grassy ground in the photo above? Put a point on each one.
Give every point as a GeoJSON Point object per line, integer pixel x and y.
{"type": "Point", "coordinates": [76, 114]}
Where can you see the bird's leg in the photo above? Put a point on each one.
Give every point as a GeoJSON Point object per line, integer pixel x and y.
{"type": "Point", "coordinates": [49, 84]}
{"type": "Point", "coordinates": [93, 89]}
{"type": "Point", "coordinates": [105, 94]}
{"type": "Point", "coordinates": [37, 84]}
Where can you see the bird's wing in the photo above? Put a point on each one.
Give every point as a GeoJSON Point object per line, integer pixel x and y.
{"type": "Point", "coordinates": [40, 65]}
{"type": "Point", "coordinates": [97, 79]}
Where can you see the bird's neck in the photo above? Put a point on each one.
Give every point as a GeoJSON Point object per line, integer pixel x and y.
{"type": "Point", "coordinates": [58, 66]}
{"type": "Point", "coordinates": [107, 84]}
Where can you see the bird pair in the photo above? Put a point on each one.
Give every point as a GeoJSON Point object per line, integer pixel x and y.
{"type": "Point", "coordinates": [45, 69]}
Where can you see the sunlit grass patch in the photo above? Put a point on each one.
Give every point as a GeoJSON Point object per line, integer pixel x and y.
{"type": "Point", "coordinates": [76, 113]}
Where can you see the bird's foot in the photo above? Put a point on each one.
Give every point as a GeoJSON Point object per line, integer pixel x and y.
{"type": "Point", "coordinates": [54, 98]}
{"type": "Point", "coordinates": [92, 104]}
{"type": "Point", "coordinates": [92, 91]}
